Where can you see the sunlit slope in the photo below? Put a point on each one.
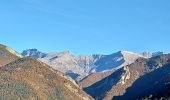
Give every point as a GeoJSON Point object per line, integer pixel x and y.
{"type": "Point", "coordinates": [30, 79]}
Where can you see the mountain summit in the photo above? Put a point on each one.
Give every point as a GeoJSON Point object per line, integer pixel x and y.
{"type": "Point", "coordinates": [33, 52]}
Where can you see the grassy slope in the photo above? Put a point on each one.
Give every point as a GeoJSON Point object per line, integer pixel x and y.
{"type": "Point", "coordinates": [28, 78]}
{"type": "Point", "coordinates": [6, 56]}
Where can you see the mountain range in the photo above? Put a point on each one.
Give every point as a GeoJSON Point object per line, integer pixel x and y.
{"type": "Point", "coordinates": [122, 75]}
{"type": "Point", "coordinates": [116, 76]}
{"type": "Point", "coordinates": [79, 67]}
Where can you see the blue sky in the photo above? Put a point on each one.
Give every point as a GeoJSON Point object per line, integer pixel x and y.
{"type": "Point", "coordinates": [86, 26]}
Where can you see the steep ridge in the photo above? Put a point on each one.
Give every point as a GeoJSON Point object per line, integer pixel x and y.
{"type": "Point", "coordinates": [129, 58]}
{"type": "Point", "coordinates": [30, 79]}
{"type": "Point", "coordinates": [100, 89]}
{"type": "Point", "coordinates": [123, 78]}
{"type": "Point", "coordinates": [156, 83]}
{"type": "Point", "coordinates": [7, 55]}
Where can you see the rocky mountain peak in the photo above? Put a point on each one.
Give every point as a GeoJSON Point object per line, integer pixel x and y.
{"type": "Point", "coordinates": [33, 52]}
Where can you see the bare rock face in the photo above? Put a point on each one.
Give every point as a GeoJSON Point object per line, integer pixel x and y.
{"type": "Point", "coordinates": [116, 84]}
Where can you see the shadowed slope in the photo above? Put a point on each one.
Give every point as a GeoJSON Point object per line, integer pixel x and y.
{"type": "Point", "coordinates": [156, 83]}
{"type": "Point", "coordinates": [93, 78]}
